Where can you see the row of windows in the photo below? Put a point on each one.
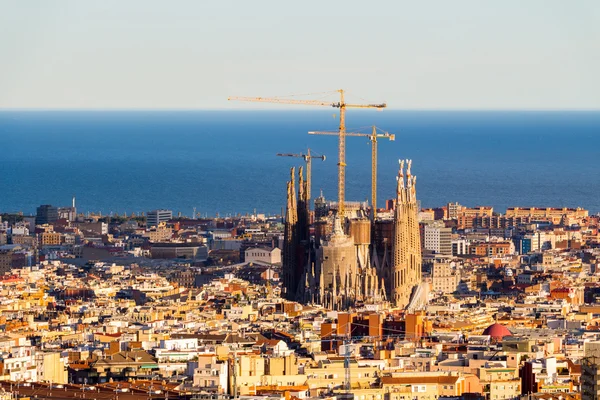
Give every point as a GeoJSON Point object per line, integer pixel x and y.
{"type": "Point", "coordinates": [258, 254]}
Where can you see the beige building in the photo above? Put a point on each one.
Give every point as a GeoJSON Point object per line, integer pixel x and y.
{"type": "Point", "coordinates": [444, 277]}
{"type": "Point", "coordinates": [50, 239]}
{"type": "Point", "coordinates": [159, 234]}
{"type": "Point", "coordinates": [500, 382]}
{"type": "Point", "coordinates": [258, 254]}
{"type": "Point", "coordinates": [428, 386]}
{"type": "Point", "coordinates": [24, 240]}
{"type": "Point", "coordinates": [504, 389]}
{"type": "Point", "coordinates": [331, 374]}
{"type": "Point", "coordinates": [51, 367]}
{"type": "Point", "coordinates": [251, 372]}
{"type": "Point", "coordinates": [210, 373]}
{"type": "Point", "coordinates": [552, 214]}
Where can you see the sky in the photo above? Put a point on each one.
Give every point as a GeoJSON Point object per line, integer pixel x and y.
{"type": "Point", "coordinates": [139, 54]}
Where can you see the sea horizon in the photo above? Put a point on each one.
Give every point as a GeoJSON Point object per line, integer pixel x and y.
{"type": "Point", "coordinates": [224, 160]}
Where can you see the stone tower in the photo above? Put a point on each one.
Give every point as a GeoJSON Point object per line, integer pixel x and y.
{"type": "Point", "coordinates": [290, 242]}
{"type": "Point", "coordinates": [302, 207]}
{"type": "Point", "coordinates": [338, 270]}
{"type": "Point", "coordinates": [406, 246]}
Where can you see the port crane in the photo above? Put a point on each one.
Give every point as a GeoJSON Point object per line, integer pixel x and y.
{"type": "Point", "coordinates": [373, 136]}
{"type": "Point", "coordinates": [308, 160]}
{"type": "Point", "coordinates": [342, 105]}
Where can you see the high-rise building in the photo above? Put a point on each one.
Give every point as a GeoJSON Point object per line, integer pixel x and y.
{"type": "Point", "coordinates": [46, 214]}
{"type": "Point", "coordinates": [438, 238]}
{"type": "Point", "coordinates": [155, 217]}
{"type": "Point", "coordinates": [406, 246]}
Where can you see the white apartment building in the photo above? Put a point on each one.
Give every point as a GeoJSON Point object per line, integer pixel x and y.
{"type": "Point", "coordinates": [153, 218]}
{"type": "Point", "coordinates": [438, 238]}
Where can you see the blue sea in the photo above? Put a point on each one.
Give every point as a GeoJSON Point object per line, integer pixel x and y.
{"type": "Point", "coordinates": [225, 161]}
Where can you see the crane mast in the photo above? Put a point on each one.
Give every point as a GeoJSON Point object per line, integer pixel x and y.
{"type": "Point", "coordinates": [341, 132]}
{"type": "Point", "coordinates": [373, 136]}
{"type": "Point", "coordinates": [342, 159]}
{"type": "Point", "coordinates": [374, 172]}
{"type": "Point", "coordinates": [308, 160]}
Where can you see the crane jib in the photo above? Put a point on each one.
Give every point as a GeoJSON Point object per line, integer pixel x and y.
{"type": "Point", "coordinates": [342, 105]}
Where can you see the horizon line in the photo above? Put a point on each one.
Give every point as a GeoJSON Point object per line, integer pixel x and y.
{"type": "Point", "coordinates": [163, 109]}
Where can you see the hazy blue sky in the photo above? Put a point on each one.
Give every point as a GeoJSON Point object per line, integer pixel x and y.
{"type": "Point", "coordinates": [193, 54]}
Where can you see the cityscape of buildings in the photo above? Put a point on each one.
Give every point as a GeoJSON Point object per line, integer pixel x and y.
{"type": "Point", "coordinates": [121, 106]}
{"type": "Point", "coordinates": [332, 300]}
{"type": "Point", "coordinates": [404, 303]}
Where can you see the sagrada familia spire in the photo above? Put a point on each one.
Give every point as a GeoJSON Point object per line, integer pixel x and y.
{"type": "Point", "coordinates": [341, 267]}
{"type": "Point", "coordinates": [296, 237]}
{"type": "Point", "coordinates": [406, 247]}
{"type": "Point", "coordinates": [290, 240]}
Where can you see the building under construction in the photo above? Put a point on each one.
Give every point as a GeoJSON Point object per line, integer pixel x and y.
{"type": "Point", "coordinates": [354, 258]}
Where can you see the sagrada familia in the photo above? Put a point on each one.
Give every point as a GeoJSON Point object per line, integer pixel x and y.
{"type": "Point", "coordinates": [344, 262]}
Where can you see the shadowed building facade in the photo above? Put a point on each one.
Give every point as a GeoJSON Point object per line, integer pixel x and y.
{"type": "Point", "coordinates": [290, 241]}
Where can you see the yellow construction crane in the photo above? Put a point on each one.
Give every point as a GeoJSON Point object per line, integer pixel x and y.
{"type": "Point", "coordinates": [308, 160]}
{"type": "Point", "coordinates": [373, 136]}
{"type": "Point", "coordinates": [342, 105]}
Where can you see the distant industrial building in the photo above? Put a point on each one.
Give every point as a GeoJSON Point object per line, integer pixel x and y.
{"type": "Point", "coordinates": [155, 217]}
